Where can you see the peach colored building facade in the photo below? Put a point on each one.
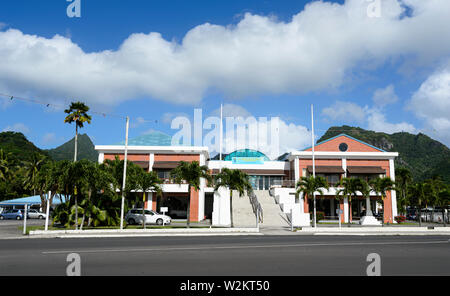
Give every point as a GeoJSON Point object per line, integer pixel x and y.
{"type": "Point", "coordinates": [336, 158]}
{"type": "Point", "coordinates": [344, 156]}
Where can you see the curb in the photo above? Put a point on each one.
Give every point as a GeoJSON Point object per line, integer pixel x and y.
{"type": "Point", "coordinates": [374, 231]}
{"type": "Point", "coordinates": [142, 232]}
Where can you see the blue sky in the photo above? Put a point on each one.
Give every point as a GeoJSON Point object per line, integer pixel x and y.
{"type": "Point", "coordinates": [260, 58]}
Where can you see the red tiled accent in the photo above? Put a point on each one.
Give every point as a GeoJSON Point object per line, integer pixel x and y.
{"type": "Point", "coordinates": [177, 157]}
{"type": "Point", "coordinates": [130, 157]}
{"type": "Point", "coordinates": [193, 215]}
{"type": "Point", "coordinates": [353, 146]}
{"type": "Point", "coordinates": [341, 207]}
{"type": "Point", "coordinates": [387, 208]}
{"type": "Point", "coordinates": [154, 203]}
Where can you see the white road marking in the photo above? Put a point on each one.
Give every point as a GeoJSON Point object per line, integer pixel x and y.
{"type": "Point", "coordinates": [242, 247]}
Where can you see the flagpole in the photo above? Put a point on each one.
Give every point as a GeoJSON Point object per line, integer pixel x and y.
{"type": "Point", "coordinates": [220, 148]}
{"type": "Point", "coordinates": [124, 175]}
{"type": "Point", "coordinates": [313, 160]}
{"type": "Point", "coordinates": [221, 135]}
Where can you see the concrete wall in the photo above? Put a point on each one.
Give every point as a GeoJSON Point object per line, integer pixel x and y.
{"type": "Point", "coordinates": [221, 207]}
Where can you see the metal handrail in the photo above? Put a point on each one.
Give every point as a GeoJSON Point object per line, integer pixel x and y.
{"type": "Point", "coordinates": [256, 206]}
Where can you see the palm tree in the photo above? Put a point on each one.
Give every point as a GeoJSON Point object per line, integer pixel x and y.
{"type": "Point", "coordinates": [435, 186]}
{"type": "Point", "coordinates": [382, 186]}
{"type": "Point", "coordinates": [115, 168]}
{"type": "Point", "coordinates": [97, 179]}
{"type": "Point", "coordinates": [443, 201]}
{"type": "Point", "coordinates": [402, 181]}
{"type": "Point", "coordinates": [418, 196]}
{"type": "Point", "coordinates": [32, 168]}
{"type": "Point", "coordinates": [148, 181]}
{"type": "Point", "coordinates": [309, 185]}
{"type": "Point", "coordinates": [47, 179]}
{"type": "Point", "coordinates": [234, 180]}
{"type": "Point", "coordinates": [347, 188]}
{"type": "Point", "coordinates": [366, 188]}
{"type": "Point", "coordinates": [191, 172]}
{"type": "Point", "coordinates": [77, 113]}
{"type": "Point", "coordinates": [78, 177]}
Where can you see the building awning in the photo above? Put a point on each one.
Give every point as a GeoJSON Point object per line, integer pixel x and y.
{"type": "Point", "coordinates": [365, 170]}
{"type": "Point", "coordinates": [31, 200]}
{"type": "Point", "coordinates": [327, 169]}
{"type": "Point", "coordinates": [142, 164]}
{"type": "Point", "coordinates": [165, 164]}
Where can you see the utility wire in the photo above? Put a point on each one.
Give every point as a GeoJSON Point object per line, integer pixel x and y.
{"type": "Point", "coordinates": [47, 104]}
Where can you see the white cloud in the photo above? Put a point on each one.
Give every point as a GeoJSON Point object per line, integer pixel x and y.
{"type": "Point", "coordinates": [259, 55]}
{"type": "Point", "coordinates": [231, 110]}
{"type": "Point", "coordinates": [385, 96]}
{"type": "Point", "coordinates": [373, 118]}
{"type": "Point", "coordinates": [169, 116]}
{"type": "Point", "coordinates": [17, 127]}
{"type": "Point", "coordinates": [431, 102]}
{"type": "Point", "coordinates": [376, 121]}
{"type": "Point", "coordinates": [348, 111]}
{"type": "Point", "coordinates": [290, 137]}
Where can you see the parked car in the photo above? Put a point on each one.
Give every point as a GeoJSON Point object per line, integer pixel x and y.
{"type": "Point", "coordinates": [134, 216]}
{"type": "Point", "coordinates": [35, 214]}
{"type": "Point", "coordinates": [12, 214]}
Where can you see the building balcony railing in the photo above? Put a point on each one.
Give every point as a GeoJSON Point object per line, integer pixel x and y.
{"type": "Point", "coordinates": [292, 183]}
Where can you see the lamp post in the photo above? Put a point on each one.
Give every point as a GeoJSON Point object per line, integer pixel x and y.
{"type": "Point", "coordinates": [124, 175]}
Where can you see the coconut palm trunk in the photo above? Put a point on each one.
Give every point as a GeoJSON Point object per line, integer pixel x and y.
{"type": "Point", "coordinates": [143, 210]}
{"type": "Point", "coordinates": [188, 214]}
{"type": "Point", "coordinates": [231, 208]}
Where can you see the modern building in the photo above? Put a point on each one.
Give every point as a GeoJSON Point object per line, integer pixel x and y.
{"type": "Point", "coordinates": [273, 180]}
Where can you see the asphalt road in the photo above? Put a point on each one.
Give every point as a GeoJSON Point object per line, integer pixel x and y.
{"type": "Point", "coordinates": [229, 256]}
{"type": "Point", "coordinates": [13, 228]}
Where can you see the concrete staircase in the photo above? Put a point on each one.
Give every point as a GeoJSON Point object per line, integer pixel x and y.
{"type": "Point", "coordinates": [243, 215]}
{"type": "Point", "coordinates": [272, 215]}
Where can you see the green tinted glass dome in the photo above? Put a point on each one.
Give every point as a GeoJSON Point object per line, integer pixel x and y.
{"type": "Point", "coordinates": [246, 153]}
{"type": "Point", "coordinates": [154, 138]}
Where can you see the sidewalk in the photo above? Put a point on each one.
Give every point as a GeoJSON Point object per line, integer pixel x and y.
{"type": "Point", "coordinates": [142, 232]}
{"type": "Point", "coordinates": [376, 230]}
{"type": "Point", "coordinates": [356, 229]}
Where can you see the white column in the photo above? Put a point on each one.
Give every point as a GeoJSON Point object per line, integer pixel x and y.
{"type": "Point", "coordinates": [101, 157]}
{"type": "Point", "coordinates": [47, 211]}
{"type": "Point", "coordinates": [344, 166]}
{"type": "Point", "coordinates": [221, 207]}
{"type": "Point", "coordinates": [296, 170]}
{"type": "Point", "coordinates": [346, 218]}
{"type": "Point", "coordinates": [393, 192]}
{"type": "Point", "coordinates": [151, 161]}
{"type": "Point", "coordinates": [149, 200]}
{"type": "Point", "coordinates": [201, 193]}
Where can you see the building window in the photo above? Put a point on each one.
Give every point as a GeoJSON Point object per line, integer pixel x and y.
{"type": "Point", "coordinates": [332, 179]}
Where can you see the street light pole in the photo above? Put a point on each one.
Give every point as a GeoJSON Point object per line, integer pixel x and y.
{"type": "Point", "coordinates": [124, 175]}
{"type": "Point", "coordinates": [313, 160]}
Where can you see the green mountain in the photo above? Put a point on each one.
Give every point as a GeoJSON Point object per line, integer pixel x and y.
{"type": "Point", "coordinates": [18, 145]}
{"type": "Point", "coordinates": [423, 156]}
{"type": "Point", "coordinates": [86, 149]}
